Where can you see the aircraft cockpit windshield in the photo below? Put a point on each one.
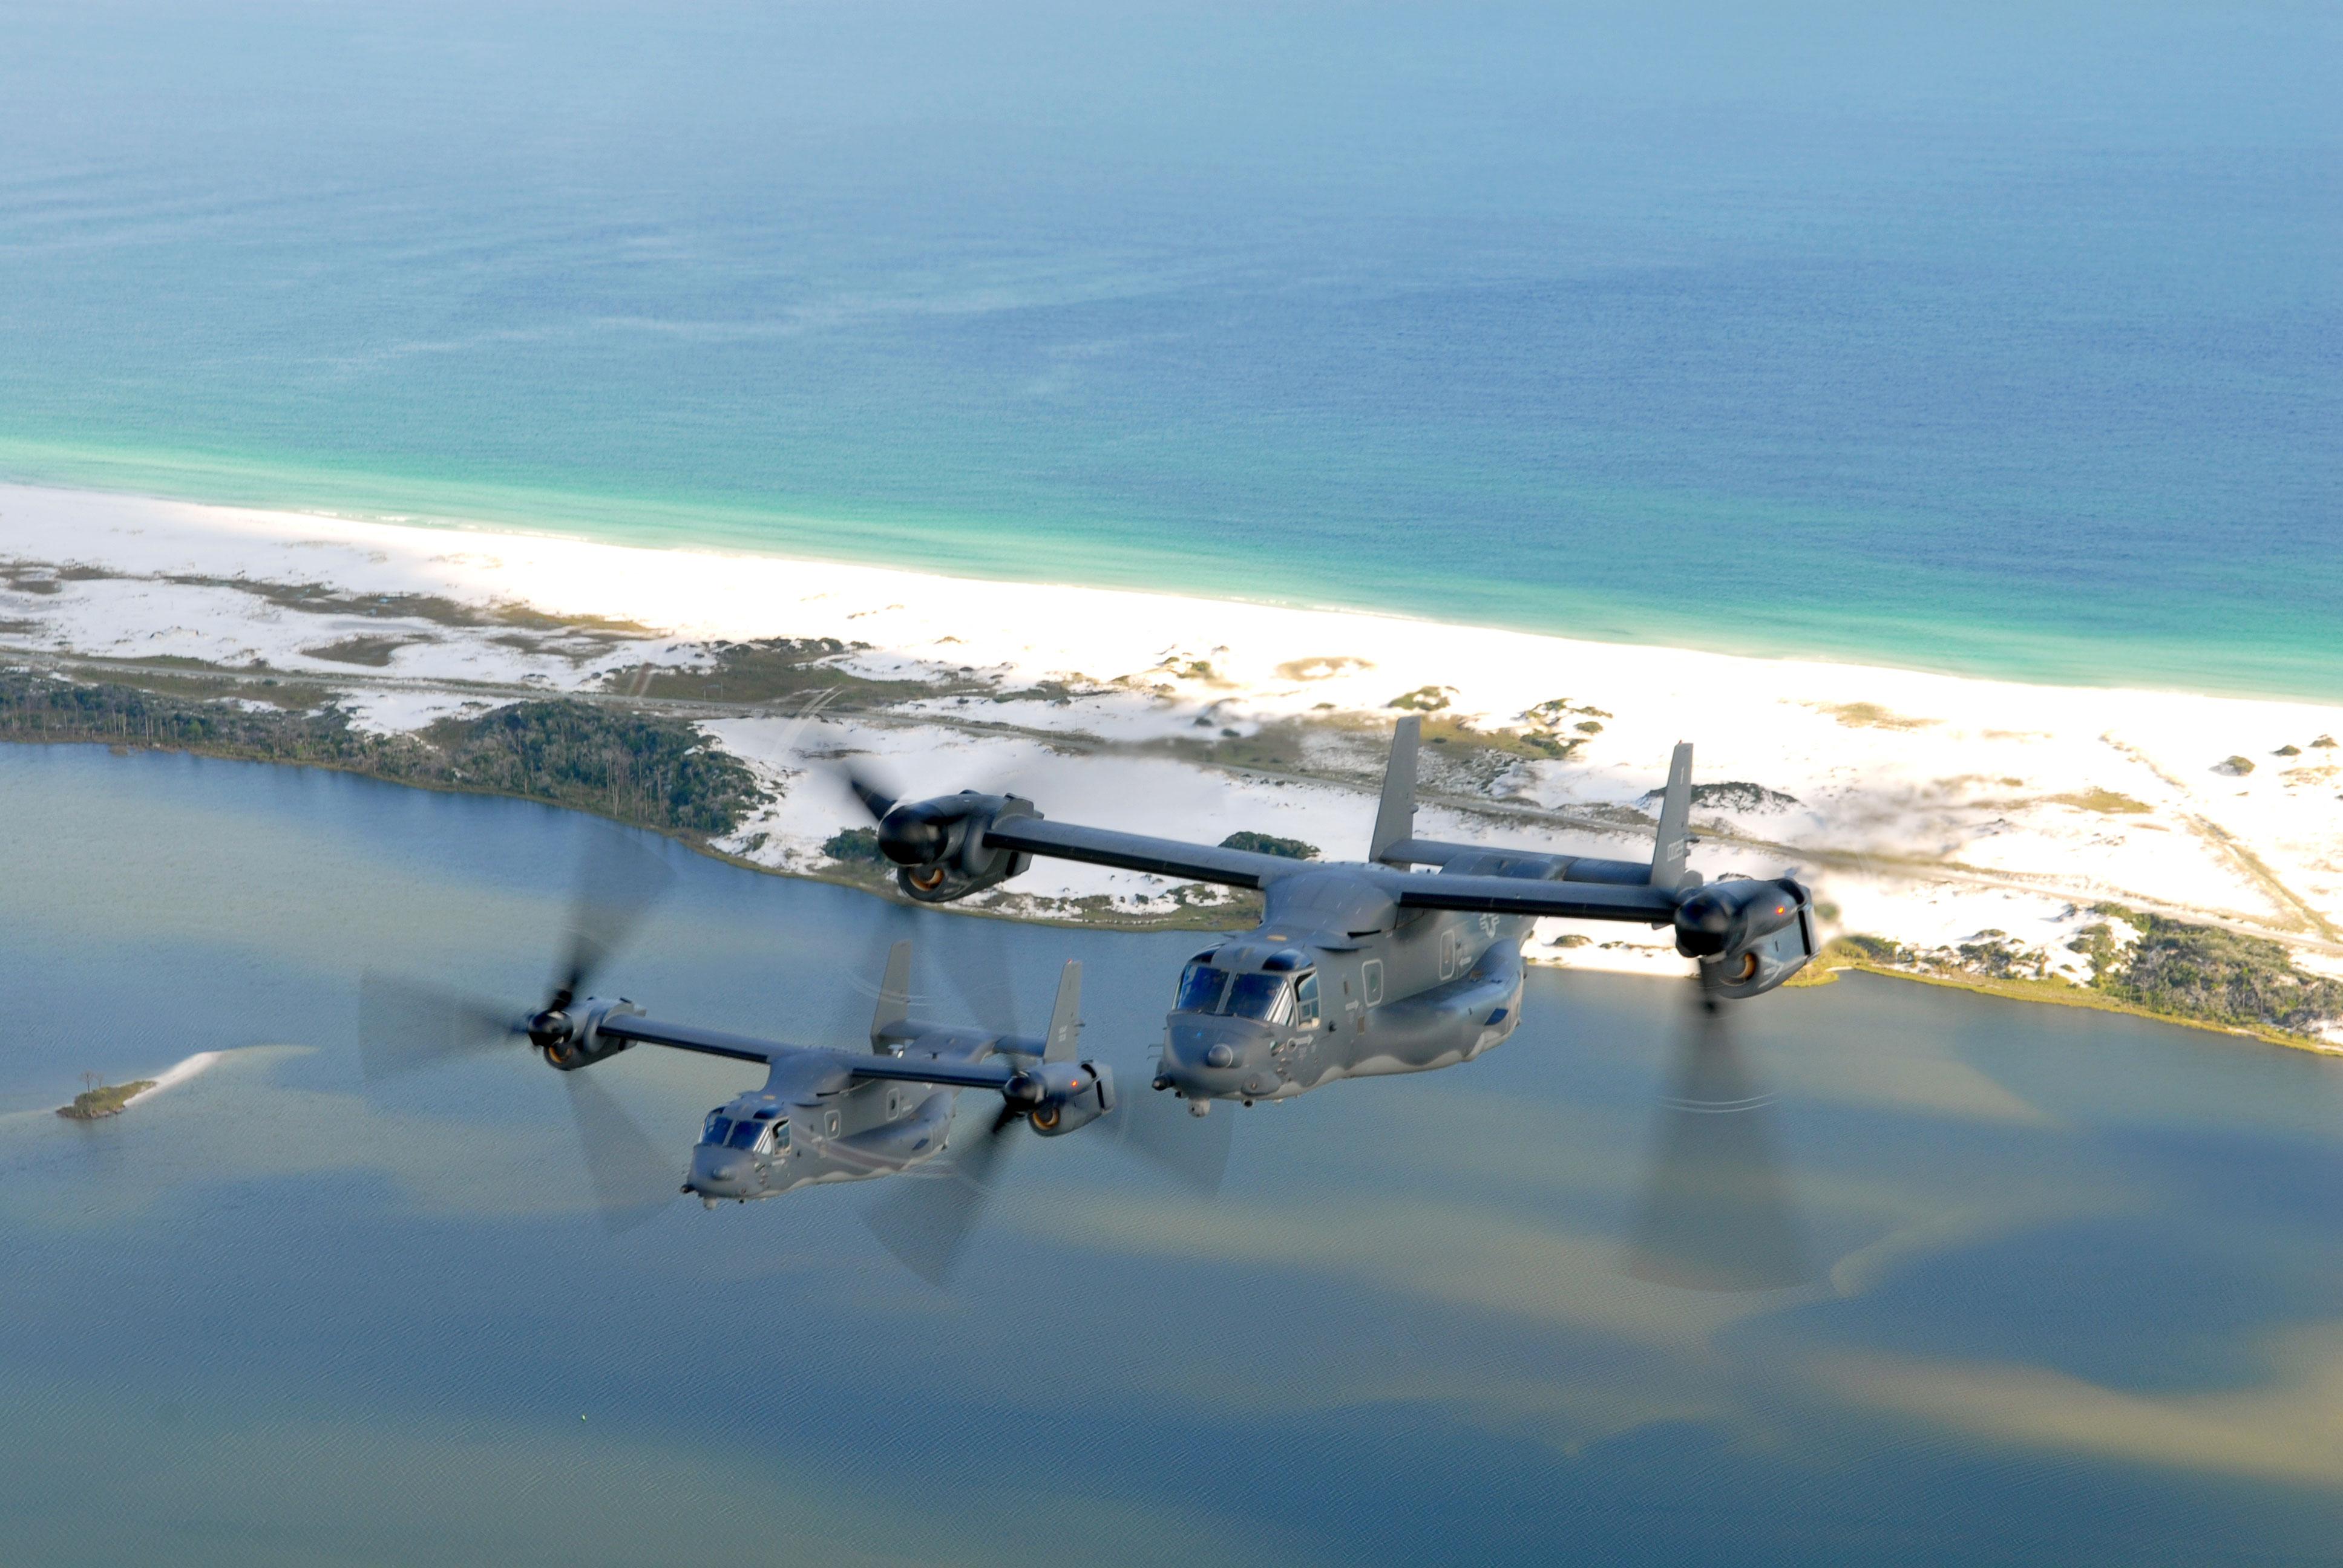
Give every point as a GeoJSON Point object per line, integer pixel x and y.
{"type": "Point", "coordinates": [722, 1131]}
{"type": "Point", "coordinates": [1202, 987]}
{"type": "Point", "coordinates": [1267, 997]}
{"type": "Point", "coordinates": [1263, 996]}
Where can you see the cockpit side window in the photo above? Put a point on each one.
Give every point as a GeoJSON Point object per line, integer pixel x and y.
{"type": "Point", "coordinates": [718, 1126]}
{"type": "Point", "coordinates": [1261, 996]}
{"type": "Point", "coordinates": [1306, 999]}
{"type": "Point", "coordinates": [1201, 987]}
{"type": "Point", "coordinates": [780, 1136]}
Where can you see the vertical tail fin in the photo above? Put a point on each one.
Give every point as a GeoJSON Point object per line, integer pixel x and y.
{"type": "Point", "coordinates": [1395, 821]}
{"type": "Point", "coordinates": [894, 995]}
{"type": "Point", "coordinates": [1674, 839]}
{"type": "Point", "coordinates": [1065, 1019]}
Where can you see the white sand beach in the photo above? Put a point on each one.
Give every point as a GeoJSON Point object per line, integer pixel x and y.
{"type": "Point", "coordinates": [1925, 808]}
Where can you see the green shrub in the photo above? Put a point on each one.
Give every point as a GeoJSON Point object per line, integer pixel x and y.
{"type": "Point", "coordinates": [2202, 971]}
{"type": "Point", "coordinates": [1269, 844]}
{"type": "Point", "coordinates": [854, 845]}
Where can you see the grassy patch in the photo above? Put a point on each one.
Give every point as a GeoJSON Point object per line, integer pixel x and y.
{"type": "Point", "coordinates": [1869, 716]}
{"type": "Point", "coordinates": [2106, 802]}
{"type": "Point", "coordinates": [105, 1100]}
{"type": "Point", "coordinates": [371, 651]}
{"type": "Point", "coordinates": [780, 670]}
{"type": "Point", "coordinates": [1463, 741]}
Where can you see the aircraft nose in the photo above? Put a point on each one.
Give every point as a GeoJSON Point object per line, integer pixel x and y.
{"type": "Point", "coordinates": [720, 1172]}
{"type": "Point", "coordinates": [1207, 1059]}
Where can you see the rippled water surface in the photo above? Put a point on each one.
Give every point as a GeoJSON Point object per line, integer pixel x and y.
{"type": "Point", "coordinates": [2081, 1302]}
{"type": "Point", "coordinates": [1989, 339]}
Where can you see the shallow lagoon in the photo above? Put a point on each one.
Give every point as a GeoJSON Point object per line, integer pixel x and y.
{"type": "Point", "coordinates": [2082, 1299]}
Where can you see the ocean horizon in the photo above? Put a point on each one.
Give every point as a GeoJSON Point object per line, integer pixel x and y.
{"type": "Point", "coordinates": [2005, 346]}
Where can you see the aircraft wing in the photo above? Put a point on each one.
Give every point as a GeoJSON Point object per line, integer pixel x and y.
{"type": "Point", "coordinates": [913, 1066]}
{"type": "Point", "coordinates": [916, 1066]}
{"type": "Point", "coordinates": [1518, 895]}
{"type": "Point", "coordinates": [1136, 852]}
{"type": "Point", "coordinates": [684, 1037]}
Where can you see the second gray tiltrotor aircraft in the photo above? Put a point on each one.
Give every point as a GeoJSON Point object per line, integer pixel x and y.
{"type": "Point", "coordinates": [1369, 967]}
{"type": "Point", "coordinates": [822, 1115]}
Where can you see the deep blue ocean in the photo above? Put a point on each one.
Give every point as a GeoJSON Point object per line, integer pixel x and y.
{"type": "Point", "coordinates": [1996, 339]}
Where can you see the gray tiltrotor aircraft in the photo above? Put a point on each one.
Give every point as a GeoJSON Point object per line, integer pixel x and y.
{"type": "Point", "coordinates": [1367, 968]}
{"type": "Point", "coordinates": [822, 1115]}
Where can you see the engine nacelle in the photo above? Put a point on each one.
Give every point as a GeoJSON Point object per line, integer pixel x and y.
{"type": "Point", "coordinates": [571, 1037]}
{"type": "Point", "coordinates": [940, 845]}
{"type": "Point", "coordinates": [1749, 936]}
{"type": "Point", "coordinates": [1063, 1095]}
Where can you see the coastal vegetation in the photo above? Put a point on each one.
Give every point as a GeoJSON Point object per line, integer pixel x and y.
{"type": "Point", "coordinates": [2203, 973]}
{"type": "Point", "coordinates": [853, 846]}
{"type": "Point", "coordinates": [1868, 715]}
{"type": "Point", "coordinates": [103, 1099]}
{"type": "Point", "coordinates": [2138, 962]}
{"type": "Point", "coordinates": [646, 770]}
{"type": "Point", "coordinates": [656, 769]}
{"type": "Point", "coordinates": [2105, 802]}
{"type": "Point", "coordinates": [776, 669]}
{"type": "Point", "coordinates": [1269, 844]}
{"type": "Point", "coordinates": [1733, 795]}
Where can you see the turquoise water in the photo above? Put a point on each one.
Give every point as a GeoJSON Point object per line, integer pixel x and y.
{"type": "Point", "coordinates": [2001, 342]}
{"type": "Point", "coordinates": [2085, 1268]}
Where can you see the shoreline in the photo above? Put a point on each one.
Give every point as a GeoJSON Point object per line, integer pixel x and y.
{"type": "Point", "coordinates": [1939, 813]}
{"type": "Point", "coordinates": [669, 525]}
{"type": "Point", "coordinates": [2050, 993]}
{"type": "Point", "coordinates": [1822, 971]}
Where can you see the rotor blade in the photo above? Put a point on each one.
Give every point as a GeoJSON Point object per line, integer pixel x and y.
{"type": "Point", "coordinates": [632, 1179]}
{"type": "Point", "coordinates": [403, 1025]}
{"type": "Point", "coordinates": [870, 789]}
{"type": "Point", "coordinates": [926, 1220]}
{"type": "Point", "coordinates": [976, 962]}
{"type": "Point", "coordinates": [618, 880]}
{"type": "Point", "coordinates": [875, 798]}
{"type": "Point", "coordinates": [1193, 1148]}
{"type": "Point", "coordinates": [1716, 1211]}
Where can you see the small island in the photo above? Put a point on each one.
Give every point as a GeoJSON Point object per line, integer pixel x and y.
{"type": "Point", "coordinates": [104, 1100]}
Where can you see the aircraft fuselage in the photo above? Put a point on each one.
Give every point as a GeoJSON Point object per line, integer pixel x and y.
{"type": "Point", "coordinates": [812, 1123]}
{"type": "Point", "coordinates": [1338, 982]}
